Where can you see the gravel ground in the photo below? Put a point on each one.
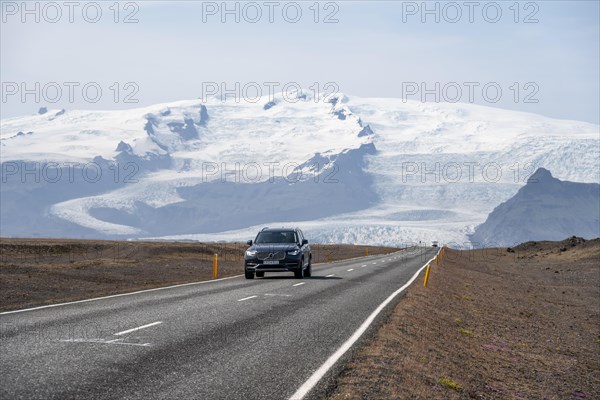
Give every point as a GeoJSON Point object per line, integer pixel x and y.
{"type": "Point", "coordinates": [521, 323]}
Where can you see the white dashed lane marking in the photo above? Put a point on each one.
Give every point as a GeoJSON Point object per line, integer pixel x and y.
{"type": "Point", "coordinates": [247, 298]}
{"type": "Point", "coordinates": [138, 328]}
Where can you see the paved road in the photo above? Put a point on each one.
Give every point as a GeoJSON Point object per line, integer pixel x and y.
{"type": "Point", "coordinates": [230, 339]}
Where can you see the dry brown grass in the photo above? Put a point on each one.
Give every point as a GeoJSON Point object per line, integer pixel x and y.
{"type": "Point", "coordinates": [529, 330]}
{"type": "Point", "coordinates": [45, 271]}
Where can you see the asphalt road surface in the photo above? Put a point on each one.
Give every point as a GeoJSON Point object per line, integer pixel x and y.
{"type": "Point", "coordinates": [227, 339]}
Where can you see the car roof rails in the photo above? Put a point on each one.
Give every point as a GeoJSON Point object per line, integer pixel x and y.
{"type": "Point", "coordinates": [265, 228]}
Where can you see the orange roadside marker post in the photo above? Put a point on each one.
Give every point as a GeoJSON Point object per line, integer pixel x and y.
{"type": "Point", "coordinates": [215, 265]}
{"type": "Point", "coordinates": [426, 276]}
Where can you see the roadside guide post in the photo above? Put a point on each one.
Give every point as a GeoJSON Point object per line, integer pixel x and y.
{"type": "Point", "coordinates": [426, 276]}
{"type": "Point", "coordinates": [215, 265]}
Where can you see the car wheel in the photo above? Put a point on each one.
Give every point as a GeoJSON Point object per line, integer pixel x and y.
{"type": "Point", "coordinates": [300, 273]}
{"type": "Point", "coordinates": [308, 272]}
{"type": "Point", "coordinates": [249, 275]}
{"type": "Point", "coordinates": [260, 274]}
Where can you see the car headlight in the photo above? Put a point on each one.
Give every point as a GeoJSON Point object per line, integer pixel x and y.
{"type": "Point", "coordinates": [250, 253]}
{"type": "Point", "coordinates": [294, 252]}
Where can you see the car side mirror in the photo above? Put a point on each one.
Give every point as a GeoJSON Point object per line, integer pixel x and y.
{"type": "Point", "coordinates": [249, 242]}
{"type": "Point", "coordinates": [304, 241]}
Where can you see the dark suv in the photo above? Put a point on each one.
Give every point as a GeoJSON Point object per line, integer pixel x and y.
{"type": "Point", "coordinates": [278, 250]}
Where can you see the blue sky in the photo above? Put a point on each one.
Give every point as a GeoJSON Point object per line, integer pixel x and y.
{"type": "Point", "coordinates": [375, 49]}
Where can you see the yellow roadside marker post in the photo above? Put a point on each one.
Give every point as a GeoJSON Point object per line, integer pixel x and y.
{"type": "Point", "coordinates": [215, 265]}
{"type": "Point", "coordinates": [367, 252]}
{"type": "Point", "coordinates": [426, 276]}
{"type": "Point", "coordinates": [436, 260]}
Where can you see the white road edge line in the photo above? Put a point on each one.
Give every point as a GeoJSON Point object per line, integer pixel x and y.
{"type": "Point", "coordinates": [319, 373]}
{"type": "Point", "coordinates": [298, 284]}
{"type": "Point", "coordinates": [247, 298]}
{"type": "Point", "coordinates": [138, 328]}
{"type": "Point", "coordinates": [351, 269]}
{"type": "Point", "coordinates": [329, 276]}
{"type": "Point", "coordinates": [364, 265]}
{"type": "Point", "coordinates": [117, 295]}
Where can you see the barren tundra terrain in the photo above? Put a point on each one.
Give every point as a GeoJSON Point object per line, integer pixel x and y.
{"type": "Point", "coordinates": [522, 323]}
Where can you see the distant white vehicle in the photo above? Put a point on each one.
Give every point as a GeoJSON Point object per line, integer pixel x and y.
{"type": "Point", "coordinates": [434, 243]}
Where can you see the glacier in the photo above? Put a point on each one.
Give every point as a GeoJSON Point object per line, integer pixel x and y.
{"type": "Point", "coordinates": [346, 169]}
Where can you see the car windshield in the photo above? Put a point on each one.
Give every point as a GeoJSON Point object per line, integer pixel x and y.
{"type": "Point", "coordinates": [276, 237]}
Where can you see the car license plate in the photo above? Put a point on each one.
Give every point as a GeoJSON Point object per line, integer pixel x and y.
{"type": "Point", "coordinates": [271, 262]}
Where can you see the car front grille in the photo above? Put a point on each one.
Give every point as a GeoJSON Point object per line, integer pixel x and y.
{"type": "Point", "coordinates": [275, 255]}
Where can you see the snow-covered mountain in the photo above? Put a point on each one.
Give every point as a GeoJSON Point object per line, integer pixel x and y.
{"type": "Point", "coordinates": [544, 209]}
{"type": "Point", "coordinates": [346, 169]}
